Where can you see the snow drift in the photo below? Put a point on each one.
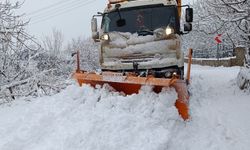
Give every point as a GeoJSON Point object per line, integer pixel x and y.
{"type": "Point", "coordinates": [85, 118]}
{"type": "Point", "coordinates": [243, 79]}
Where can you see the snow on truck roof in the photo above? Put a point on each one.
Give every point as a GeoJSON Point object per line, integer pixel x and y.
{"type": "Point", "coordinates": [135, 3]}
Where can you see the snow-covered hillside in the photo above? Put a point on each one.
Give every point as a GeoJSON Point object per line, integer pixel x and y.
{"type": "Point", "coordinates": [83, 118]}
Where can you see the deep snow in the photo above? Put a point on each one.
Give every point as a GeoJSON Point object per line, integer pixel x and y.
{"type": "Point", "coordinates": [243, 79]}
{"type": "Point", "coordinates": [83, 118]}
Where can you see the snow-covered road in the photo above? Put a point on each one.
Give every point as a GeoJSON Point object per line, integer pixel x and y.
{"type": "Point", "coordinates": [83, 118]}
{"type": "Point", "coordinates": [220, 112]}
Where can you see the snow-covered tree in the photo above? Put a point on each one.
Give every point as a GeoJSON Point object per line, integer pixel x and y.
{"type": "Point", "coordinates": [207, 24]}
{"type": "Point", "coordinates": [54, 43]}
{"type": "Point", "coordinates": [17, 48]}
{"type": "Point", "coordinates": [235, 14]}
{"type": "Point", "coordinates": [88, 51]}
{"type": "Point", "coordinates": [25, 68]}
{"type": "Point", "coordinates": [28, 69]}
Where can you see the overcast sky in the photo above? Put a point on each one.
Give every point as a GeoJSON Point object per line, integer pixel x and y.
{"type": "Point", "coordinates": [72, 17]}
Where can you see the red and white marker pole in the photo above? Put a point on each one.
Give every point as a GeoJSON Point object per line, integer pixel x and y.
{"type": "Point", "coordinates": [218, 41]}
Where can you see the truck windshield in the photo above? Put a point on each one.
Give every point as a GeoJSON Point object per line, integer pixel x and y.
{"type": "Point", "coordinates": [146, 18]}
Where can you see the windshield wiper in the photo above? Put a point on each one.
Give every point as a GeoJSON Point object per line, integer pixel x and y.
{"type": "Point", "coordinates": [145, 32]}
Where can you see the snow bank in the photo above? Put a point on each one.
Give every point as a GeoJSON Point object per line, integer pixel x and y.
{"type": "Point", "coordinates": [84, 118]}
{"type": "Point", "coordinates": [219, 110]}
{"type": "Point", "coordinates": [243, 78]}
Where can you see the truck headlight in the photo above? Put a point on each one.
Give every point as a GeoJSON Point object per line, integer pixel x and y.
{"type": "Point", "coordinates": [105, 37]}
{"type": "Point", "coordinates": [169, 30]}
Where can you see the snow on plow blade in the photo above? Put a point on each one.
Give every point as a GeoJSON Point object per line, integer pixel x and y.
{"type": "Point", "coordinates": [130, 84]}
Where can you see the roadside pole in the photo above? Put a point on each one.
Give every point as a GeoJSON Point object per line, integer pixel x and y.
{"type": "Point", "coordinates": [217, 54]}
{"type": "Point", "coordinates": [218, 41]}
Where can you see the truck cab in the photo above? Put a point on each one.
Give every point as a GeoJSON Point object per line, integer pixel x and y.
{"type": "Point", "coordinates": [142, 36]}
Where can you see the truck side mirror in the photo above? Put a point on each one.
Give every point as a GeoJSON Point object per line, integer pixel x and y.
{"type": "Point", "coordinates": [188, 27]}
{"type": "Point", "coordinates": [189, 14]}
{"type": "Point", "coordinates": [95, 34]}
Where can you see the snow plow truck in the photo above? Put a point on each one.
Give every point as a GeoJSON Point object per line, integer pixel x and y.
{"type": "Point", "coordinates": [140, 45]}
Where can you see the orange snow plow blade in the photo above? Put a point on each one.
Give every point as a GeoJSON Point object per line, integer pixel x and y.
{"type": "Point", "coordinates": [131, 83]}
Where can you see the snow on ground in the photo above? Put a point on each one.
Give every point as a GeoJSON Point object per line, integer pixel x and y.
{"type": "Point", "coordinates": [84, 118]}
{"type": "Point", "coordinates": [220, 112]}
{"type": "Point", "coordinates": [97, 119]}
{"type": "Point", "coordinates": [243, 79]}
